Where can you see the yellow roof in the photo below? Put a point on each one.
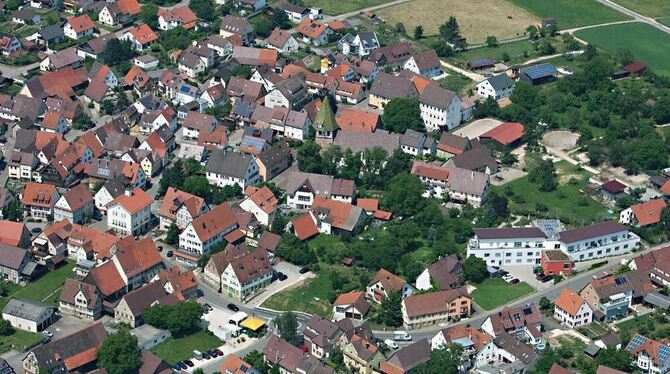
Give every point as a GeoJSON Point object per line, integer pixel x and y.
{"type": "Point", "coordinates": [253, 323]}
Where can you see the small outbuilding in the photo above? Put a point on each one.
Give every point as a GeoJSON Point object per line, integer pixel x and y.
{"type": "Point", "coordinates": [29, 315]}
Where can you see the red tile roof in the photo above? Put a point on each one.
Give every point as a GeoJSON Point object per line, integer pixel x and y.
{"type": "Point", "coordinates": [506, 133]}
{"type": "Point", "coordinates": [311, 28]}
{"type": "Point", "coordinates": [39, 194]}
{"type": "Point", "coordinates": [183, 14]}
{"type": "Point", "coordinates": [649, 212]}
{"type": "Point", "coordinates": [143, 34]}
{"type": "Point", "coordinates": [569, 301]}
{"type": "Point", "coordinates": [263, 198]}
{"type": "Point", "coordinates": [214, 222]}
{"type": "Point", "coordinates": [357, 120]}
{"type": "Point", "coordinates": [11, 233]}
{"type": "Point", "coordinates": [614, 186]}
{"type": "Point", "coordinates": [137, 200]}
{"type": "Point", "coordinates": [304, 226]}
{"type": "Point", "coordinates": [107, 278]}
{"type": "Point", "coordinates": [81, 23]}
{"type": "Point", "coordinates": [131, 7]}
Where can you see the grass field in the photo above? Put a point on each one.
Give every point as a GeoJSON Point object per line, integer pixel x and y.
{"type": "Point", "coordinates": [495, 292]}
{"type": "Point", "coordinates": [569, 202]}
{"type": "Point", "coordinates": [174, 350]}
{"type": "Point", "coordinates": [39, 290]}
{"type": "Point", "coordinates": [311, 297]}
{"type": "Point", "coordinates": [572, 13]}
{"type": "Point", "coordinates": [664, 20]}
{"type": "Point", "coordinates": [649, 8]}
{"type": "Point", "coordinates": [455, 81]}
{"type": "Point", "coordinates": [518, 51]}
{"type": "Point", "coordinates": [331, 7]}
{"type": "Point", "coordinates": [471, 17]}
{"type": "Point", "coordinates": [642, 40]}
{"type": "Point", "coordinates": [19, 340]}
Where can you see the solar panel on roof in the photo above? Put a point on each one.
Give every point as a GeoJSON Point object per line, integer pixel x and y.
{"type": "Point", "coordinates": [620, 280]}
{"type": "Point", "coordinates": [637, 341]}
{"type": "Point", "coordinates": [184, 89]}
{"type": "Point", "coordinates": [663, 353]}
{"type": "Point", "coordinates": [540, 71]}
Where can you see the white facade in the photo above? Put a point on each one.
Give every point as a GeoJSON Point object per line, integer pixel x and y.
{"type": "Point", "coordinates": [38, 324]}
{"type": "Point", "coordinates": [102, 198]}
{"type": "Point", "coordinates": [232, 287]}
{"type": "Point", "coordinates": [251, 177]}
{"type": "Point", "coordinates": [471, 357]}
{"type": "Point", "coordinates": [290, 46]}
{"type": "Point", "coordinates": [189, 240]}
{"type": "Point", "coordinates": [125, 223]}
{"type": "Point", "coordinates": [105, 17]}
{"type": "Point", "coordinates": [262, 216]}
{"type": "Point", "coordinates": [434, 117]}
{"type": "Point", "coordinates": [485, 89]}
{"type": "Point", "coordinates": [423, 282]}
{"type": "Point", "coordinates": [600, 246]}
{"type": "Point", "coordinates": [276, 98]}
{"type": "Point", "coordinates": [62, 210]}
{"type": "Point", "coordinates": [584, 315]}
{"type": "Point", "coordinates": [305, 199]}
{"type": "Point", "coordinates": [70, 33]}
{"type": "Point", "coordinates": [429, 72]}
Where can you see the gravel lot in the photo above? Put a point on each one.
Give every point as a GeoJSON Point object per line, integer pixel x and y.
{"type": "Point", "coordinates": [477, 127]}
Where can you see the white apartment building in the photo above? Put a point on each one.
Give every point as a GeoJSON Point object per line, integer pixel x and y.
{"type": "Point", "coordinates": [516, 246]}
{"type": "Point", "coordinates": [440, 108]}
{"type": "Point", "coordinates": [130, 213]}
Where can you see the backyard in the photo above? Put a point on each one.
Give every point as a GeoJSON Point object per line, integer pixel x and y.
{"type": "Point", "coordinates": [652, 325]}
{"type": "Point", "coordinates": [19, 340]}
{"type": "Point", "coordinates": [502, 19]}
{"type": "Point", "coordinates": [572, 13]}
{"type": "Point", "coordinates": [45, 289]}
{"type": "Point", "coordinates": [570, 202]}
{"type": "Point", "coordinates": [641, 39]}
{"type": "Point", "coordinates": [454, 81]}
{"type": "Point", "coordinates": [174, 350]}
{"type": "Point", "coordinates": [332, 8]}
{"type": "Point", "coordinates": [649, 8]}
{"type": "Point", "coordinates": [494, 292]}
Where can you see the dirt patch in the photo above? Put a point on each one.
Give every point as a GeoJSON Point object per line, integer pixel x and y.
{"type": "Point", "coordinates": [560, 139]}
{"type": "Point", "coordinates": [477, 127]}
{"type": "Point", "coordinates": [476, 19]}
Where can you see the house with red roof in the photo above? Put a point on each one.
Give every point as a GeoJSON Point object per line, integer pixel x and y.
{"type": "Point", "coordinates": [350, 305]}
{"type": "Point", "coordinates": [182, 16]}
{"type": "Point", "coordinates": [181, 208]}
{"type": "Point", "coordinates": [643, 214]}
{"type": "Point", "coordinates": [130, 213]}
{"type": "Point", "coordinates": [54, 122]}
{"type": "Point", "coordinates": [507, 134]}
{"type": "Point", "coordinates": [571, 309]}
{"type": "Point", "coordinates": [260, 202]}
{"type": "Point", "coordinates": [313, 31]}
{"type": "Point", "coordinates": [141, 36]}
{"type": "Point", "coordinates": [39, 199]}
{"type": "Point", "coordinates": [206, 231]}
{"type": "Point", "coordinates": [385, 282]}
{"type": "Point", "coordinates": [613, 190]}
{"type": "Point", "coordinates": [121, 11]}
{"type": "Point", "coordinates": [79, 27]}
{"type": "Point", "coordinates": [304, 226]}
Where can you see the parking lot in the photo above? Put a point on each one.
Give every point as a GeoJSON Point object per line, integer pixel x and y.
{"type": "Point", "coordinates": [293, 275]}
{"type": "Point", "coordinates": [525, 274]}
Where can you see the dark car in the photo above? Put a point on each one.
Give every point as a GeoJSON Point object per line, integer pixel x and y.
{"type": "Point", "coordinates": [233, 307]}
{"type": "Point", "coordinates": [514, 281]}
{"type": "Point", "coordinates": [218, 352]}
{"type": "Point", "coordinates": [36, 230]}
{"type": "Point", "coordinates": [206, 355]}
{"type": "Point", "coordinates": [283, 277]}
{"type": "Point", "coordinates": [182, 365]}
{"type": "Point", "coordinates": [170, 253]}
{"type": "Point", "coordinates": [213, 353]}
{"type": "Point", "coordinates": [303, 270]}
{"type": "Point", "coordinates": [160, 248]}
{"type": "Point", "coordinates": [176, 368]}
{"type": "Point", "coordinates": [189, 363]}
{"type": "Point", "coordinates": [206, 306]}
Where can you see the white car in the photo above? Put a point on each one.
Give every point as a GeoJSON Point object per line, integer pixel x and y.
{"type": "Point", "coordinates": [391, 344]}
{"type": "Point", "coordinates": [508, 277]}
{"type": "Point", "coordinates": [48, 333]}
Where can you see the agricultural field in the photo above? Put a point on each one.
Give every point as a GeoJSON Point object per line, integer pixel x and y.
{"type": "Point", "coordinates": [518, 51]}
{"type": "Point", "coordinates": [332, 8]}
{"type": "Point", "coordinates": [649, 8]}
{"type": "Point", "coordinates": [664, 20]}
{"type": "Point", "coordinates": [502, 19]}
{"type": "Point", "coordinates": [641, 39]}
{"type": "Point", "coordinates": [572, 13]}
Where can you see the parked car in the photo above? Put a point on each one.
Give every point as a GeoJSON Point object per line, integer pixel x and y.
{"type": "Point", "coordinates": [282, 277]}
{"type": "Point", "coordinates": [212, 353]}
{"type": "Point", "coordinates": [218, 352]}
{"type": "Point", "coordinates": [176, 368]}
{"type": "Point", "coordinates": [514, 281]}
{"type": "Point", "coordinates": [170, 253]}
{"type": "Point", "coordinates": [48, 333]}
{"type": "Point", "coordinates": [182, 365]}
{"type": "Point", "coordinates": [233, 307]}
{"type": "Point", "coordinates": [391, 344]}
{"type": "Point", "coordinates": [36, 230]}
{"type": "Point", "coordinates": [206, 355]}
{"type": "Point", "coordinates": [303, 270]}
{"type": "Point", "coordinates": [189, 363]}
{"type": "Point", "coordinates": [507, 277]}
{"type": "Point", "coordinates": [160, 248]}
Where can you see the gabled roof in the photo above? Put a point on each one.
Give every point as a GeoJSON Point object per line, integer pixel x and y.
{"type": "Point", "coordinates": [174, 199]}
{"type": "Point", "coordinates": [130, 7]}
{"type": "Point", "coordinates": [133, 202]}
{"type": "Point", "coordinates": [356, 298]}
{"type": "Point", "coordinates": [214, 222]}
{"type": "Point", "coordinates": [304, 226]}
{"type": "Point", "coordinates": [569, 301]}
{"type": "Point", "coordinates": [143, 34]}
{"type": "Point", "coordinates": [426, 60]}
{"type": "Point", "coordinates": [74, 351]}
{"type": "Point", "coordinates": [71, 289]}
{"type": "Point", "coordinates": [407, 358]}
{"type": "Point", "coordinates": [388, 280]}
{"type": "Point", "coordinates": [649, 212]}
{"type": "Point", "coordinates": [505, 133]}
{"type": "Point", "coordinates": [432, 302]}
{"type": "Point", "coordinates": [263, 198]}
{"type": "Point", "coordinates": [339, 214]}
{"type": "Point", "coordinates": [81, 23]}
{"type": "Point", "coordinates": [39, 194]}
{"type": "Point", "coordinates": [182, 14]}
{"type": "Point", "coordinates": [78, 197]}
{"type": "Point", "coordinates": [311, 28]}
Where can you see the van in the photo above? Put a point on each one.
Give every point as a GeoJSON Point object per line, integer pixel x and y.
{"type": "Point", "coordinates": [197, 354]}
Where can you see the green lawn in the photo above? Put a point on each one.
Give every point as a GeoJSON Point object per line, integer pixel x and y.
{"type": "Point", "coordinates": [19, 340]}
{"type": "Point", "coordinates": [311, 297]}
{"type": "Point", "coordinates": [495, 292]}
{"type": "Point", "coordinates": [174, 350]}
{"type": "Point", "coordinates": [652, 325]}
{"type": "Point", "coordinates": [570, 202]}
{"type": "Point", "coordinates": [664, 20]}
{"type": "Point", "coordinates": [518, 52]}
{"type": "Point", "coordinates": [641, 39]}
{"type": "Point", "coordinates": [332, 8]}
{"type": "Point", "coordinates": [649, 8]}
{"type": "Point", "coordinates": [572, 13]}
{"type": "Point", "coordinates": [40, 289]}
{"type": "Point", "coordinates": [455, 81]}
{"type": "Point", "coordinates": [594, 330]}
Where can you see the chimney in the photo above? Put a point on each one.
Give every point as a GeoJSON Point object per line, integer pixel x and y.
{"type": "Point", "coordinates": [472, 175]}
{"type": "Point", "coordinates": [129, 193]}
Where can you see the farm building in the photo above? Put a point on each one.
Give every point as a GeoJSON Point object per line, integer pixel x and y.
{"type": "Point", "coordinates": [538, 74]}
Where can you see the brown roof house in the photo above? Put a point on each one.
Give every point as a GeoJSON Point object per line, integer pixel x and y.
{"type": "Point", "coordinates": [261, 202]}
{"type": "Point", "coordinates": [436, 307]}
{"type": "Point", "coordinates": [39, 199]}
{"type": "Point", "coordinates": [525, 320]}
{"type": "Point", "coordinates": [130, 307]}
{"type": "Point", "coordinates": [385, 282]}
{"type": "Point", "coordinates": [303, 188]}
{"type": "Point", "coordinates": [206, 231]}
{"type": "Point", "coordinates": [321, 336]}
{"type": "Point", "coordinates": [350, 305]}
{"type": "Point", "coordinates": [407, 358]}
{"type": "Point", "coordinates": [362, 355]}
{"type": "Point", "coordinates": [81, 300]}
{"type": "Point", "coordinates": [180, 207]}
{"type": "Point", "coordinates": [334, 217]}
{"type": "Point", "coordinates": [291, 359]}
{"type": "Point", "coordinates": [387, 86]}
{"type": "Point", "coordinates": [76, 205]}
{"type": "Point", "coordinates": [16, 264]}
{"type": "Point", "coordinates": [446, 273]}
{"type": "Point", "coordinates": [610, 297]}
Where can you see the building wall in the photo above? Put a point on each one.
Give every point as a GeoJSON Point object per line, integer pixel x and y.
{"type": "Point", "coordinates": [456, 309]}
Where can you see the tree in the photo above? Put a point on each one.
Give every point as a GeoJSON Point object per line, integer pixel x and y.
{"type": "Point", "coordinates": [219, 111]}
{"type": "Point", "coordinates": [287, 325]}
{"type": "Point", "coordinates": [5, 327]}
{"type": "Point", "coordinates": [122, 102]}
{"type": "Point", "coordinates": [82, 122]}
{"type": "Point", "coordinates": [505, 57]}
{"type": "Point", "coordinates": [309, 157]}
{"type": "Point", "coordinates": [544, 175]}
{"type": "Point", "coordinates": [226, 193]}
{"type": "Point", "coordinates": [508, 158]}
{"type": "Point", "coordinates": [149, 15]}
{"type": "Point", "coordinates": [177, 38]}
{"type": "Point", "coordinates": [474, 269]}
{"type": "Point", "coordinates": [204, 9]}
{"type": "Point", "coordinates": [532, 32]}
{"type": "Point", "coordinates": [491, 41]}
{"type": "Point", "coordinates": [15, 211]}
{"type": "Point", "coordinates": [418, 32]}
{"type": "Point", "coordinates": [281, 20]}
{"type": "Point", "coordinates": [590, 52]}
{"type": "Point", "coordinates": [400, 28]}
{"type": "Point", "coordinates": [107, 106]}
{"type": "Point", "coordinates": [390, 312]}
{"type": "Point", "coordinates": [172, 236]}
{"type": "Point", "coordinates": [119, 353]}
{"type": "Point", "coordinates": [525, 95]}
{"type": "Point", "coordinates": [330, 159]}
{"type": "Point", "coordinates": [374, 164]}
{"type": "Point", "coordinates": [449, 30]}
{"type": "Point", "coordinates": [337, 357]}
{"type": "Point", "coordinates": [243, 71]}
{"type": "Point", "coordinates": [399, 162]}
{"type": "Point", "coordinates": [486, 108]}
{"type": "Point", "coordinates": [444, 360]}
{"type": "Point", "coordinates": [295, 251]}
{"type": "Point", "coordinates": [404, 195]}
{"type": "Point", "coordinates": [545, 303]}
{"type": "Point", "coordinates": [401, 114]}
{"type": "Point", "coordinates": [199, 186]}
{"type": "Point", "coordinates": [279, 223]}
{"type": "Point", "coordinates": [545, 48]}
{"type": "Point", "coordinates": [256, 360]}
{"type": "Point", "coordinates": [443, 49]}
{"type": "Point", "coordinates": [499, 204]}
{"type": "Point", "coordinates": [116, 51]}
{"type": "Point", "coordinates": [615, 359]}
{"type": "Point", "coordinates": [180, 319]}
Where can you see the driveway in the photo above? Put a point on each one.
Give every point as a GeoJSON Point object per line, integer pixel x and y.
{"type": "Point", "coordinates": [294, 278]}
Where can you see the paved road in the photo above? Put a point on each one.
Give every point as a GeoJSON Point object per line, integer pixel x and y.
{"type": "Point", "coordinates": [14, 72]}
{"type": "Point", "coordinates": [636, 16]}
{"type": "Point", "coordinates": [359, 11]}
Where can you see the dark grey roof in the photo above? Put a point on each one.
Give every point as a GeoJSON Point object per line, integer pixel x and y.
{"type": "Point", "coordinates": [411, 356]}
{"type": "Point", "coordinates": [51, 32]}
{"type": "Point", "coordinates": [436, 96]}
{"type": "Point", "coordinates": [228, 163]}
{"type": "Point", "coordinates": [657, 300]}
{"type": "Point", "coordinates": [592, 349]}
{"type": "Point", "coordinates": [509, 233]}
{"type": "Point", "coordinates": [12, 257]}
{"type": "Point", "coordinates": [412, 138]}
{"type": "Point", "coordinates": [290, 7]}
{"type": "Point", "coordinates": [500, 82]}
{"type": "Point", "coordinates": [359, 142]}
{"type": "Point", "coordinates": [389, 86]}
{"type": "Point", "coordinates": [591, 231]}
{"type": "Point", "coordinates": [26, 309]}
{"type": "Point", "coordinates": [512, 345]}
{"type": "Point", "coordinates": [115, 187]}
{"type": "Point", "coordinates": [53, 354]}
{"type": "Point", "coordinates": [475, 159]}
{"type": "Point", "coordinates": [468, 181]}
{"type": "Point", "coordinates": [275, 155]}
